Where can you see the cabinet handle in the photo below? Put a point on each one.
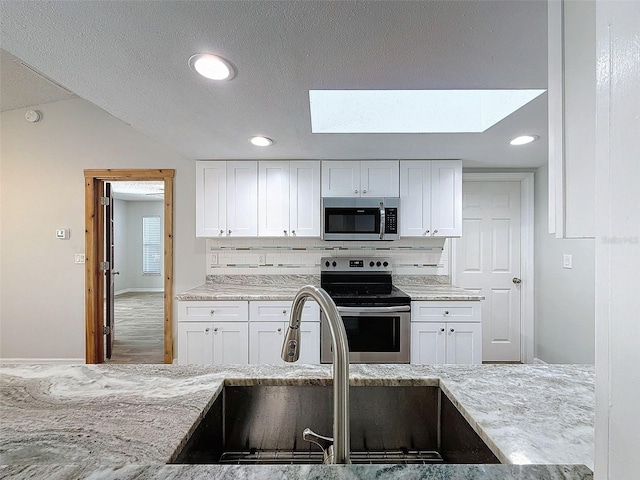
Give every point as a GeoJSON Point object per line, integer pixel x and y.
{"type": "Point", "coordinates": [215, 329]}
{"type": "Point", "coordinates": [452, 330]}
{"type": "Point", "coordinates": [446, 312]}
{"type": "Point", "coordinates": [212, 312]}
{"type": "Point", "coordinates": [206, 330]}
{"type": "Point", "coordinates": [221, 233]}
{"type": "Point", "coordinates": [364, 191]}
{"type": "Point", "coordinates": [229, 233]}
{"type": "Point", "coordinates": [442, 329]}
{"type": "Point", "coordinates": [426, 232]}
{"type": "Point", "coordinates": [285, 233]}
{"type": "Point", "coordinates": [434, 232]}
{"type": "Point", "coordinates": [279, 329]}
{"type": "Point", "coordinates": [293, 232]}
{"type": "Point", "coordinates": [284, 312]}
{"type": "Point", "coordinates": [355, 191]}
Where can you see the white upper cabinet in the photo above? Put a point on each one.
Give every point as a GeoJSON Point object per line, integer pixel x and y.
{"type": "Point", "coordinates": [211, 199]}
{"type": "Point", "coordinates": [226, 199]}
{"type": "Point", "coordinates": [304, 198]}
{"type": "Point", "coordinates": [431, 198]}
{"type": "Point", "coordinates": [242, 199]}
{"type": "Point", "coordinates": [289, 199]}
{"type": "Point", "coordinates": [367, 178]}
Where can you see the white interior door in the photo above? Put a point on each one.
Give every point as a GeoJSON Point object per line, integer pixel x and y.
{"type": "Point", "coordinates": [488, 261]}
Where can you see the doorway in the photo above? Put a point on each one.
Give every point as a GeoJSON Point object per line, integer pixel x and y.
{"type": "Point", "coordinates": [494, 257]}
{"type": "Point", "coordinates": [136, 307]}
{"type": "Point", "coordinates": [98, 269]}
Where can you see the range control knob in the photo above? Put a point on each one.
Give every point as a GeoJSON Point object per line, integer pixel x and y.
{"type": "Point", "coordinates": [378, 263]}
{"type": "Point", "coordinates": [385, 264]}
{"type": "Point", "coordinates": [371, 263]}
{"type": "Point", "coordinates": [326, 264]}
{"type": "Point", "coordinates": [334, 263]}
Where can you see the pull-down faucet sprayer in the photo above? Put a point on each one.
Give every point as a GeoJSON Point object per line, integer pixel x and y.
{"type": "Point", "coordinates": [336, 450]}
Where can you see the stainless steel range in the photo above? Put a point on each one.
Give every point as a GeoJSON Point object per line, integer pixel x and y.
{"type": "Point", "coordinates": [376, 314]}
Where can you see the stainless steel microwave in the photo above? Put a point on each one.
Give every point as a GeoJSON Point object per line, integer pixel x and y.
{"type": "Point", "coordinates": [347, 218]}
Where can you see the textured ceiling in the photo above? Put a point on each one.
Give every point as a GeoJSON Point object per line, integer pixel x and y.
{"type": "Point", "coordinates": [130, 58]}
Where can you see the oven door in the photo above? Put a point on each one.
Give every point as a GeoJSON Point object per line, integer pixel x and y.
{"type": "Point", "coordinates": [374, 334]}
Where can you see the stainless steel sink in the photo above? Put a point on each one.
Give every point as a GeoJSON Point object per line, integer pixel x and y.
{"type": "Point", "coordinates": [399, 424]}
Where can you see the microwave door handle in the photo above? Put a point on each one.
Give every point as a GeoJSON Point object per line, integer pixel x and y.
{"type": "Point", "coordinates": [382, 221]}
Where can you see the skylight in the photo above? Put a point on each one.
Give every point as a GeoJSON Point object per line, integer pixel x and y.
{"type": "Point", "coordinates": [413, 111]}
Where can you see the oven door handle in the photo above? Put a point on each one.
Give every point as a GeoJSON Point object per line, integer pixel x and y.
{"type": "Point", "coordinates": [401, 308]}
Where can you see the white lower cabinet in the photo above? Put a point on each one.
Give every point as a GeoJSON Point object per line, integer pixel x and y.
{"type": "Point", "coordinates": [438, 336]}
{"type": "Point", "coordinates": [241, 332]}
{"type": "Point", "coordinates": [212, 343]}
{"type": "Point", "coordinates": [266, 338]}
{"type": "Point", "coordinates": [268, 325]}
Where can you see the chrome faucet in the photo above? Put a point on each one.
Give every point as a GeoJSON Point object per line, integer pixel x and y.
{"type": "Point", "coordinates": [336, 449]}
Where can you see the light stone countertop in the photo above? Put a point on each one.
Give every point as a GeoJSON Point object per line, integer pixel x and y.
{"type": "Point", "coordinates": [285, 287]}
{"type": "Point", "coordinates": [124, 421]}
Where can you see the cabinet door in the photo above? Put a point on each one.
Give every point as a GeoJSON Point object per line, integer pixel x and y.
{"type": "Point", "coordinates": [242, 199]}
{"type": "Point", "coordinates": [304, 198]}
{"type": "Point", "coordinates": [379, 178]}
{"type": "Point", "coordinates": [415, 198]}
{"type": "Point", "coordinates": [428, 343]}
{"type": "Point", "coordinates": [266, 339]}
{"type": "Point", "coordinates": [446, 198]}
{"type": "Point", "coordinates": [464, 343]}
{"type": "Point", "coordinates": [195, 343]}
{"type": "Point", "coordinates": [340, 178]}
{"type": "Point", "coordinates": [230, 343]}
{"type": "Point", "coordinates": [211, 199]}
{"type": "Point", "coordinates": [273, 195]}
{"type": "Point", "coordinates": [309, 343]}
{"type": "Point", "coordinates": [265, 342]}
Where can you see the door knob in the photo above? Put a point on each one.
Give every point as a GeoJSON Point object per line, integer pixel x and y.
{"type": "Point", "coordinates": [516, 280]}
{"type": "Point", "coordinates": [116, 273]}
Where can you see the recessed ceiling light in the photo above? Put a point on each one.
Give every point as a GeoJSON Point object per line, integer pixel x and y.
{"type": "Point", "coordinates": [212, 66]}
{"type": "Point", "coordinates": [260, 141]}
{"type": "Point", "coordinates": [523, 139]}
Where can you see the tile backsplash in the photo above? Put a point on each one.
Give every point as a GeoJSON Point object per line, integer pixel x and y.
{"type": "Point", "coordinates": [273, 256]}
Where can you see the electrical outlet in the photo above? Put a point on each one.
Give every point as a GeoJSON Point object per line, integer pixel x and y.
{"type": "Point", "coordinates": [213, 259]}
{"type": "Point", "coordinates": [79, 258]}
{"type": "Point", "coordinates": [262, 259]}
{"type": "Point", "coordinates": [567, 261]}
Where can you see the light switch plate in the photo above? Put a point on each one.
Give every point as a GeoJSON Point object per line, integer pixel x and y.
{"type": "Point", "coordinates": [62, 233]}
{"type": "Point", "coordinates": [79, 258]}
{"type": "Point", "coordinates": [567, 261]}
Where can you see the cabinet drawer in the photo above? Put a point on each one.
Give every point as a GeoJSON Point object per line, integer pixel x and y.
{"type": "Point", "coordinates": [462, 311]}
{"type": "Point", "coordinates": [213, 311]}
{"type": "Point", "coordinates": [278, 311]}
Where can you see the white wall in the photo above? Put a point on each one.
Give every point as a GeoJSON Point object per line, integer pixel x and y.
{"type": "Point", "coordinates": [41, 189]}
{"type": "Point", "coordinates": [128, 246]}
{"type": "Point", "coordinates": [564, 298]}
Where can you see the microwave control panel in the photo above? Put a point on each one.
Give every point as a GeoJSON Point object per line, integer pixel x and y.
{"type": "Point", "coordinates": [391, 220]}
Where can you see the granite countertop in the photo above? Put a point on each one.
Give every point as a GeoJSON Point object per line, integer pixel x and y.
{"type": "Point", "coordinates": [285, 287]}
{"type": "Point", "coordinates": [127, 421]}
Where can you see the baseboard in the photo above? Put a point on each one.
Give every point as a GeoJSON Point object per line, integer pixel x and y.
{"type": "Point", "coordinates": [43, 361]}
{"type": "Point", "coordinates": [137, 290]}
{"type": "Point", "coordinates": [538, 361]}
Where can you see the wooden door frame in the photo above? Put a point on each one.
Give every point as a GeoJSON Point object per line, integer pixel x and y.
{"type": "Point", "coordinates": [94, 246]}
{"type": "Point", "coordinates": [527, 238]}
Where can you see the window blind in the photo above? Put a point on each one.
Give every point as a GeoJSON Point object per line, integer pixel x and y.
{"type": "Point", "coordinates": [151, 245]}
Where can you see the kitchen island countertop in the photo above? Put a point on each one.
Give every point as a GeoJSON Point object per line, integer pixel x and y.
{"type": "Point", "coordinates": [128, 420]}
